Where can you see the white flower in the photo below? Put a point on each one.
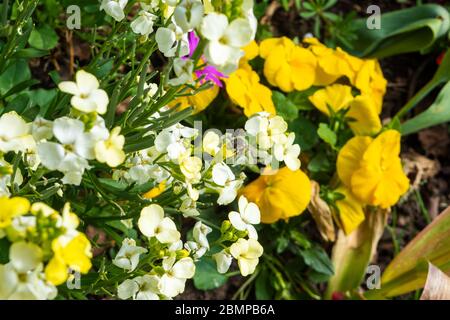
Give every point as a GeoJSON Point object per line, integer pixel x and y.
{"type": "Point", "coordinates": [225, 39]}
{"type": "Point", "coordinates": [211, 143]}
{"type": "Point", "coordinates": [128, 256]}
{"type": "Point", "coordinates": [42, 129]}
{"type": "Point", "coordinates": [76, 146]}
{"type": "Point", "coordinates": [191, 168]}
{"type": "Point", "coordinates": [199, 232]}
{"type": "Point", "coordinates": [277, 128]}
{"type": "Point", "coordinates": [188, 14]}
{"type": "Point", "coordinates": [87, 97]}
{"type": "Point", "coordinates": [111, 149]}
{"type": "Point", "coordinates": [143, 24]}
{"type": "Point", "coordinates": [247, 253]}
{"type": "Point", "coordinates": [176, 273]}
{"type": "Point", "coordinates": [223, 261]}
{"type": "Point", "coordinates": [288, 152]}
{"type": "Point", "coordinates": [247, 216]}
{"type": "Point", "coordinates": [257, 124]}
{"type": "Point", "coordinates": [114, 8]}
{"type": "Point", "coordinates": [221, 174]}
{"type": "Point", "coordinates": [152, 223]}
{"type": "Point", "coordinates": [15, 134]}
{"type": "Point", "coordinates": [168, 40]}
{"type": "Point", "coordinates": [183, 69]}
{"type": "Point", "coordinates": [175, 141]}
{"type": "Point", "coordinates": [22, 277]}
{"type": "Point", "coordinates": [140, 288]}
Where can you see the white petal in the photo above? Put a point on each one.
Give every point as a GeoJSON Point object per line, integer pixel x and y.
{"type": "Point", "coordinates": [218, 53]}
{"type": "Point", "coordinates": [8, 281]}
{"type": "Point", "coordinates": [171, 286]}
{"type": "Point", "coordinates": [251, 214]}
{"type": "Point", "coordinates": [86, 82]}
{"type": "Point", "coordinates": [25, 256]}
{"type": "Point", "coordinates": [127, 289]}
{"type": "Point", "coordinates": [51, 154]}
{"type": "Point", "coordinates": [150, 218]}
{"type": "Point", "coordinates": [67, 130]}
{"type": "Point", "coordinates": [101, 100]}
{"type": "Point", "coordinates": [184, 268]}
{"type": "Point", "coordinates": [214, 26]}
{"type": "Point", "coordinates": [239, 33]}
{"type": "Point", "coordinates": [236, 221]}
{"type": "Point", "coordinates": [69, 87]}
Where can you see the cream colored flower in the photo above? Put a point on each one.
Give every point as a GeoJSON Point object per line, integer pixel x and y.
{"type": "Point", "coordinates": [87, 97]}
{"type": "Point", "coordinates": [247, 253]}
{"type": "Point", "coordinates": [111, 149]}
{"type": "Point", "coordinates": [152, 223]}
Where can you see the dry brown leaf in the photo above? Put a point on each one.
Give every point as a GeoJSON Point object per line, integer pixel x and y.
{"type": "Point", "coordinates": [437, 286]}
{"type": "Point", "coordinates": [419, 167]}
{"type": "Point", "coordinates": [435, 140]}
{"type": "Point", "coordinates": [321, 213]}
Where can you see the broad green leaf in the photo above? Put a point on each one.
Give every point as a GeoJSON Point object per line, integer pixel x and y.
{"type": "Point", "coordinates": [352, 253]}
{"type": "Point", "coordinates": [263, 286]}
{"type": "Point", "coordinates": [4, 250]}
{"type": "Point", "coordinates": [305, 132]}
{"type": "Point", "coordinates": [16, 73]}
{"type": "Point", "coordinates": [43, 38]}
{"type": "Point", "coordinates": [441, 76]}
{"type": "Point", "coordinates": [402, 31]}
{"type": "Point", "coordinates": [326, 134]}
{"type": "Point", "coordinates": [408, 271]}
{"type": "Point", "coordinates": [318, 260]}
{"type": "Point", "coordinates": [206, 275]}
{"type": "Point", "coordinates": [437, 113]}
{"type": "Point", "coordinates": [284, 106]}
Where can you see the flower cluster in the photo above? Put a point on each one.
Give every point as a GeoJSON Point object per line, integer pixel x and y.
{"type": "Point", "coordinates": [45, 247]}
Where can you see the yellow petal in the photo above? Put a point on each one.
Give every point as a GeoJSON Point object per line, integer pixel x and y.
{"type": "Point", "coordinates": [364, 111]}
{"type": "Point", "coordinates": [350, 156]}
{"type": "Point", "coordinates": [251, 50]}
{"type": "Point", "coordinates": [336, 97]}
{"type": "Point", "coordinates": [56, 271]}
{"type": "Point", "coordinates": [351, 212]}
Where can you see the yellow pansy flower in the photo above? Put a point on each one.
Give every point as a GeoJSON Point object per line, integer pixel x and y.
{"type": "Point", "coordinates": [75, 254]}
{"type": "Point", "coordinates": [288, 66]}
{"type": "Point", "coordinates": [349, 213]}
{"type": "Point", "coordinates": [282, 195]}
{"type": "Point", "coordinates": [362, 110]}
{"type": "Point", "coordinates": [332, 64]}
{"type": "Point", "coordinates": [372, 169]}
{"type": "Point", "coordinates": [245, 90]}
{"type": "Point", "coordinates": [335, 97]}
{"type": "Point", "coordinates": [12, 207]}
{"type": "Point", "coordinates": [371, 82]}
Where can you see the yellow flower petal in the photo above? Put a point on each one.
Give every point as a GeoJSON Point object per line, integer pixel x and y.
{"type": "Point", "coordinates": [351, 212]}
{"type": "Point", "coordinates": [350, 156]}
{"type": "Point", "coordinates": [364, 111]}
{"type": "Point", "coordinates": [336, 97]}
{"type": "Point", "coordinates": [280, 196]}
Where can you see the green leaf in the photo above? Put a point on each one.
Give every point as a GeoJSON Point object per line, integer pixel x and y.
{"type": "Point", "coordinates": [43, 38]}
{"type": "Point", "coordinates": [4, 250]}
{"type": "Point", "coordinates": [284, 107]}
{"type": "Point", "coordinates": [263, 287]}
{"type": "Point", "coordinates": [407, 30]}
{"type": "Point", "coordinates": [408, 271]}
{"type": "Point", "coordinates": [16, 73]}
{"type": "Point", "coordinates": [305, 132]}
{"type": "Point", "coordinates": [30, 53]}
{"type": "Point", "coordinates": [437, 113]}
{"type": "Point", "coordinates": [318, 260]}
{"type": "Point", "coordinates": [326, 134]}
{"type": "Point", "coordinates": [206, 275]}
